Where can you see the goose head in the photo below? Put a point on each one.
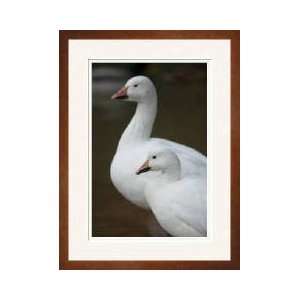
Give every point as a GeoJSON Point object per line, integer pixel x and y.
{"type": "Point", "coordinates": [165, 161]}
{"type": "Point", "coordinates": [137, 89]}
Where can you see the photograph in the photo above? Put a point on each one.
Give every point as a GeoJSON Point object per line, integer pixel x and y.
{"type": "Point", "coordinates": [121, 150]}
{"type": "Point", "coordinates": [149, 149]}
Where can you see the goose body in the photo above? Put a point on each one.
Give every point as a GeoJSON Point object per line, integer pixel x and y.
{"type": "Point", "coordinates": [136, 142]}
{"type": "Point", "coordinates": [178, 203]}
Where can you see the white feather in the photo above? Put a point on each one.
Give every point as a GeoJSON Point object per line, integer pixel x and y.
{"type": "Point", "coordinates": [135, 143]}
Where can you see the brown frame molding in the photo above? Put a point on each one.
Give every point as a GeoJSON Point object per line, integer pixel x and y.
{"type": "Point", "coordinates": [64, 37]}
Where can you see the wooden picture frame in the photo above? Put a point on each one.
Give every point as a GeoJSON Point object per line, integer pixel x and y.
{"type": "Point", "coordinates": [64, 37]}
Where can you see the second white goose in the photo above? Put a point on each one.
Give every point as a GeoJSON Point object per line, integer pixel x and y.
{"type": "Point", "coordinates": [179, 204]}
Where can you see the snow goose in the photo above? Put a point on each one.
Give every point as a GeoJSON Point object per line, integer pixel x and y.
{"type": "Point", "coordinates": [135, 143]}
{"type": "Point", "coordinates": [179, 204]}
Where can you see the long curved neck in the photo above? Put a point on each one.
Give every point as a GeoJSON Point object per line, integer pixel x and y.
{"type": "Point", "coordinates": [140, 126]}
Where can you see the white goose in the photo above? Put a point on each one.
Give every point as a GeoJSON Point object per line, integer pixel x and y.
{"type": "Point", "coordinates": [135, 143]}
{"type": "Point", "coordinates": [179, 204]}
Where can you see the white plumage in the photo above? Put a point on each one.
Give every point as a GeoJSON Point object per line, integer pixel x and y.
{"type": "Point", "coordinates": [135, 144]}
{"type": "Point", "coordinates": [178, 203]}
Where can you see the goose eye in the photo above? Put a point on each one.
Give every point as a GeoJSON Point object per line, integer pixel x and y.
{"type": "Point", "coordinates": [154, 156]}
{"type": "Point", "coordinates": [135, 85]}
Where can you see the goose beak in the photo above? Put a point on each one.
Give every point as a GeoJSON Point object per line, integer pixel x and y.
{"type": "Point", "coordinates": [120, 94]}
{"type": "Point", "coordinates": [144, 168]}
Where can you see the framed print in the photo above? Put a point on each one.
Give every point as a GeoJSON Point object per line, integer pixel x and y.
{"type": "Point", "coordinates": [149, 150]}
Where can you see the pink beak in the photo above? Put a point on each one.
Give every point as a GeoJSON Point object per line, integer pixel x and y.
{"type": "Point", "coordinates": [120, 94]}
{"type": "Point", "coordinates": [144, 168]}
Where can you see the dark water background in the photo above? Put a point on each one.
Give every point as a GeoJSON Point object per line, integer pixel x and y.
{"type": "Point", "coordinates": [182, 117]}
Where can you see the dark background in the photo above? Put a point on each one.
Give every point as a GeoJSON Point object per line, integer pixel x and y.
{"type": "Point", "coordinates": [182, 94]}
